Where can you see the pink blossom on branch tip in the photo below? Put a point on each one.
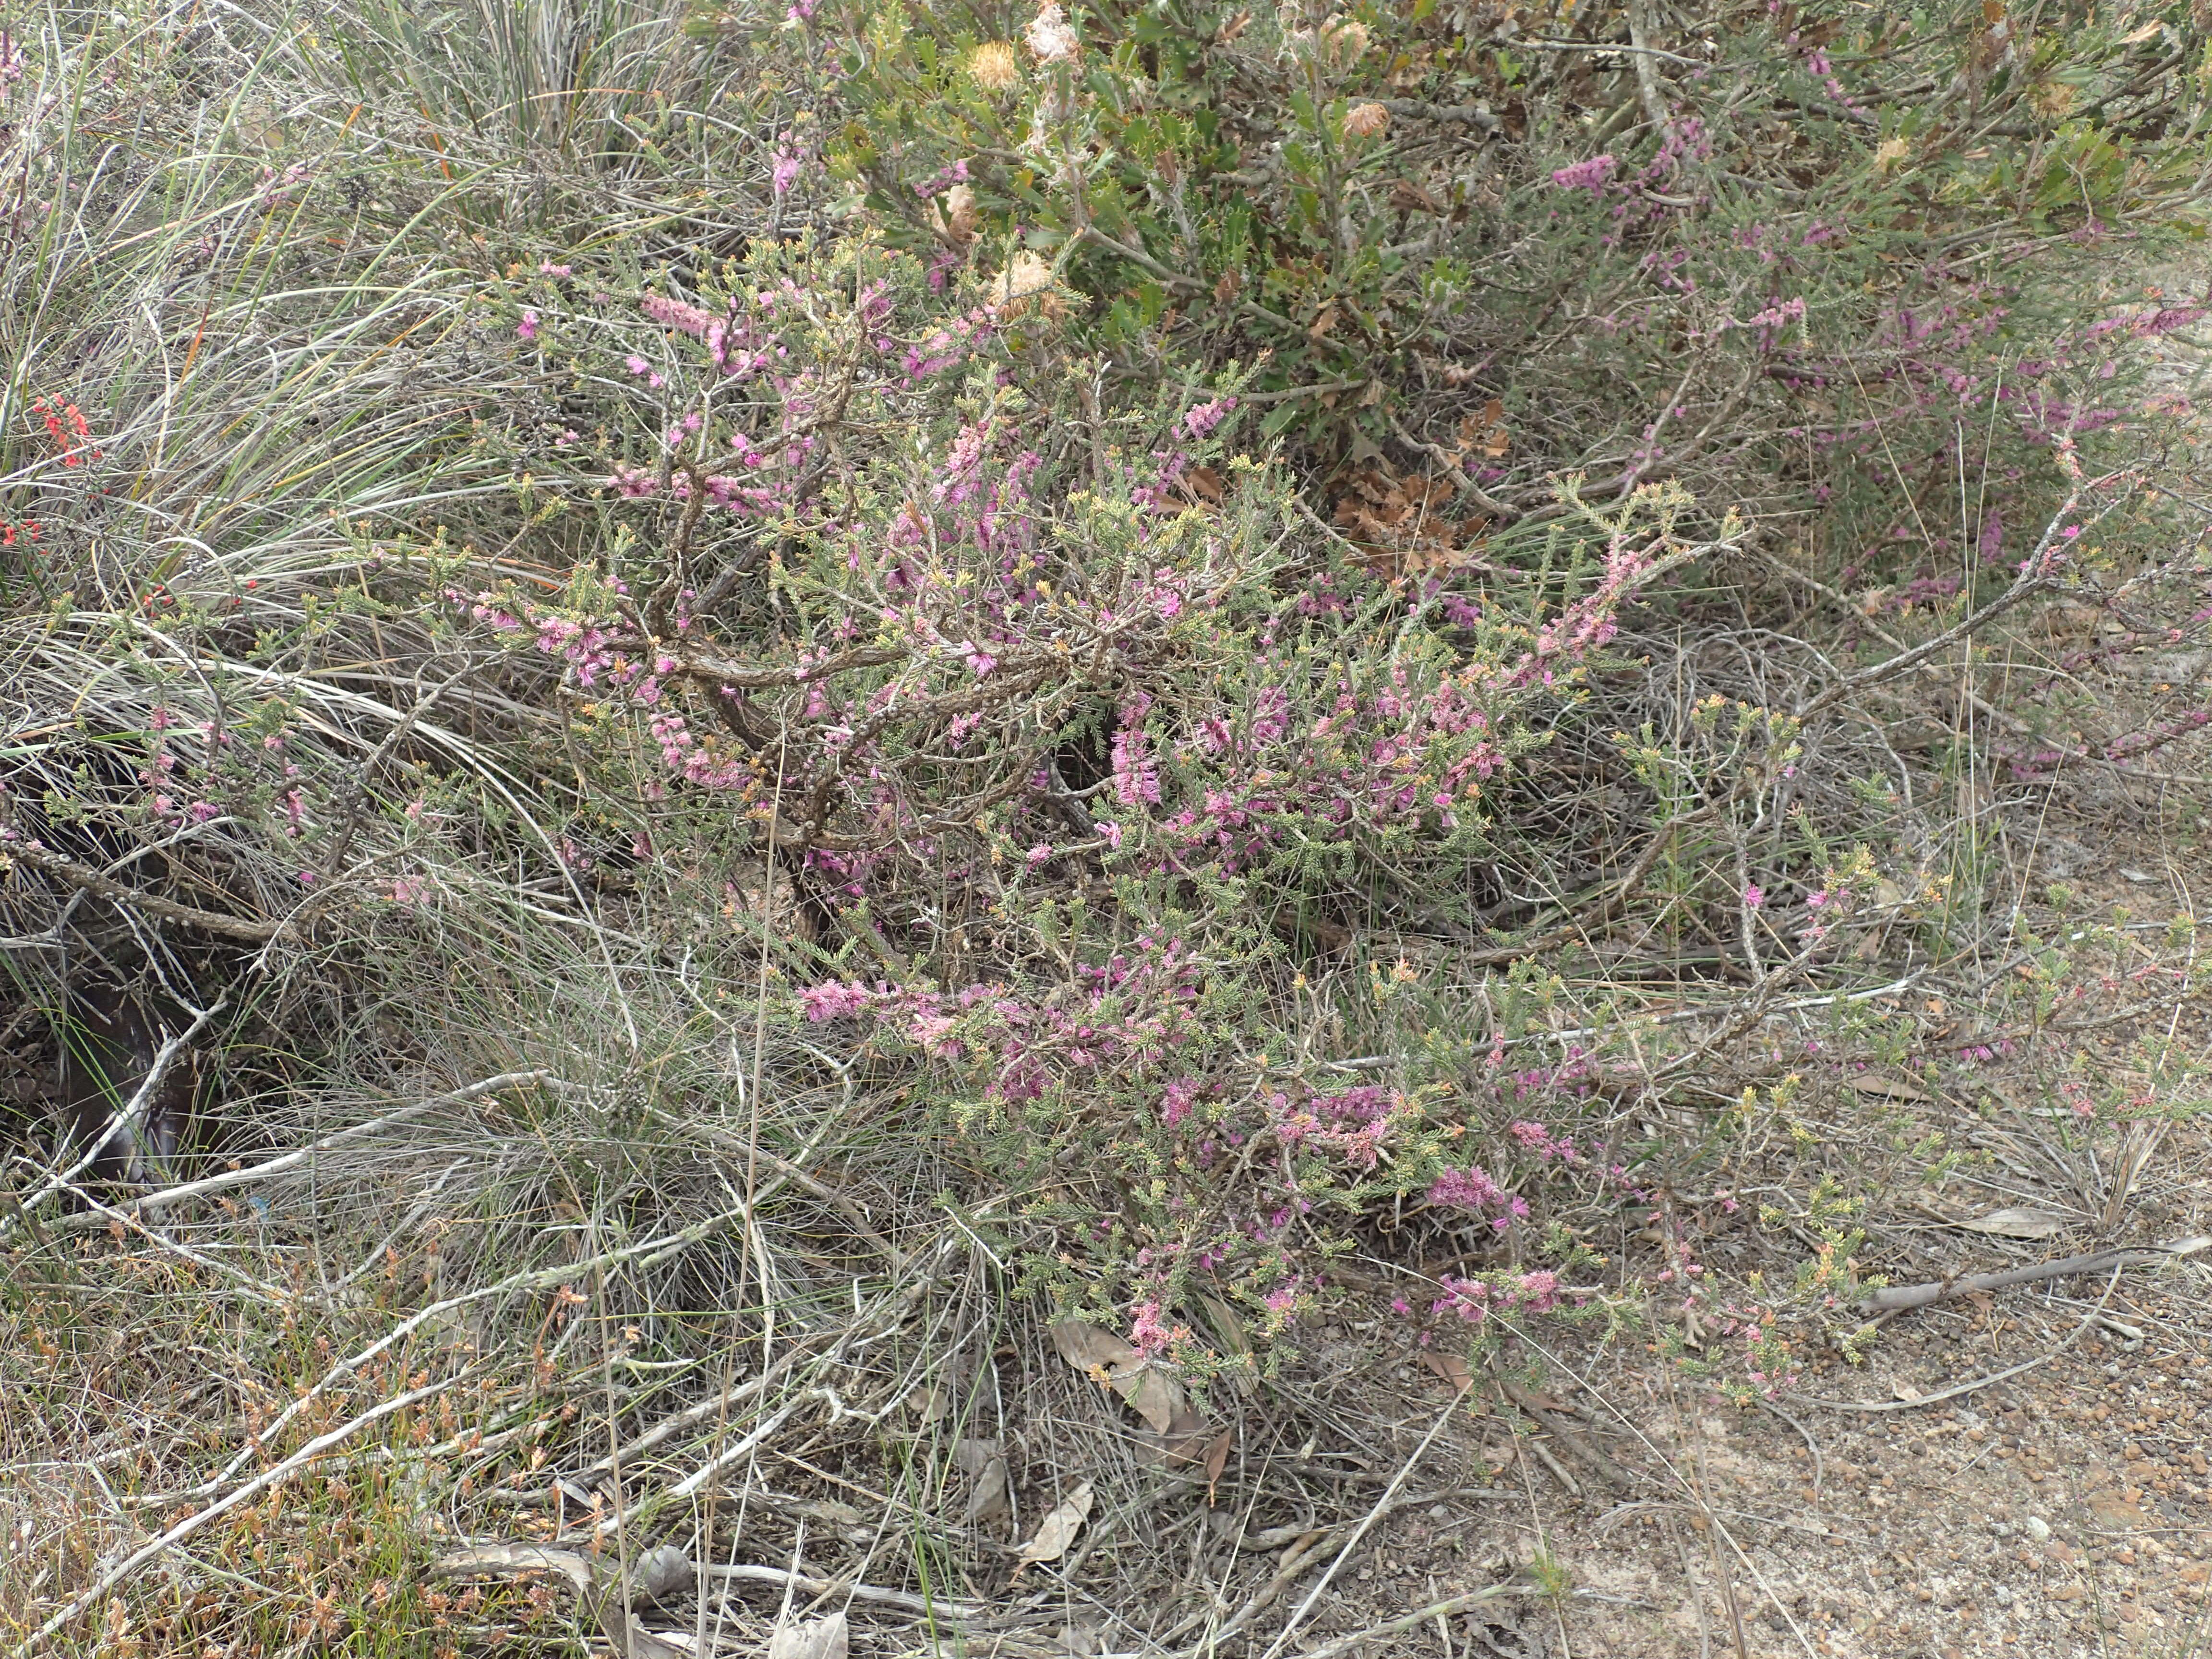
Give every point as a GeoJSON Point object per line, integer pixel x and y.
{"type": "Point", "coordinates": [1592, 175]}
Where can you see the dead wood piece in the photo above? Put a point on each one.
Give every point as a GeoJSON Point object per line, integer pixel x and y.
{"type": "Point", "coordinates": [1899, 1297]}
{"type": "Point", "coordinates": [940, 1607]}
{"type": "Point", "coordinates": [1972, 1384]}
{"type": "Point", "coordinates": [99, 886]}
{"type": "Point", "coordinates": [616, 1623]}
{"type": "Point", "coordinates": [1571, 1438]}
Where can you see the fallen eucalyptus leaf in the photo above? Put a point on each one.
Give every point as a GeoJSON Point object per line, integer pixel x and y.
{"type": "Point", "coordinates": [1056, 1531]}
{"type": "Point", "coordinates": [1216, 1458]}
{"type": "Point", "coordinates": [1092, 1348]}
{"type": "Point", "coordinates": [1160, 1399]}
{"type": "Point", "coordinates": [1150, 1391]}
{"type": "Point", "coordinates": [2016, 1223]}
{"type": "Point", "coordinates": [817, 1638]}
{"type": "Point", "coordinates": [984, 1463]}
{"type": "Point", "coordinates": [663, 1572]}
{"type": "Point", "coordinates": [1890, 1088]}
{"type": "Point", "coordinates": [1451, 1367]}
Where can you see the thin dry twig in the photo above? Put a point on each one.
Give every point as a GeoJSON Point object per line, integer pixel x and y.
{"type": "Point", "coordinates": [116, 892]}
{"type": "Point", "coordinates": [1381, 1507]}
{"type": "Point", "coordinates": [1610, 1471]}
{"type": "Point", "coordinates": [601, 1594]}
{"type": "Point", "coordinates": [129, 1114]}
{"type": "Point", "coordinates": [148, 1203]}
{"type": "Point", "coordinates": [1974, 1384]}
{"type": "Point", "coordinates": [1897, 1297]}
{"type": "Point", "coordinates": [1436, 1610]}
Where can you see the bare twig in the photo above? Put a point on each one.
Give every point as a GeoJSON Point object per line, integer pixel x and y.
{"type": "Point", "coordinates": [1382, 1505]}
{"type": "Point", "coordinates": [118, 1121]}
{"type": "Point", "coordinates": [149, 1203]}
{"type": "Point", "coordinates": [1566, 1434]}
{"type": "Point", "coordinates": [1899, 1297]}
{"type": "Point", "coordinates": [116, 892]}
{"type": "Point", "coordinates": [1973, 1384]}
{"type": "Point", "coordinates": [276, 1474]}
{"type": "Point", "coordinates": [603, 1596]}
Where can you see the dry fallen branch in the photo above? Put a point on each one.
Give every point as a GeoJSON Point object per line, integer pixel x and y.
{"type": "Point", "coordinates": [2095, 1316]}
{"type": "Point", "coordinates": [1567, 1436]}
{"type": "Point", "coordinates": [661, 1573]}
{"type": "Point", "coordinates": [131, 1114]}
{"type": "Point", "coordinates": [116, 892]}
{"type": "Point", "coordinates": [1900, 1297]}
{"type": "Point", "coordinates": [94, 1593]}
{"type": "Point", "coordinates": [540, 1278]}
{"type": "Point", "coordinates": [922, 1607]}
{"type": "Point", "coordinates": [150, 1202]}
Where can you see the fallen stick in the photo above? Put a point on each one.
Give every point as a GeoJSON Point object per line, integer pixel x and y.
{"type": "Point", "coordinates": [666, 1569]}
{"type": "Point", "coordinates": [164, 1197]}
{"type": "Point", "coordinates": [1561, 1430]}
{"type": "Point", "coordinates": [529, 1280]}
{"type": "Point", "coordinates": [18, 850]}
{"type": "Point", "coordinates": [1899, 1297]}
{"type": "Point", "coordinates": [117, 1121]}
{"type": "Point", "coordinates": [1972, 1383]}
{"type": "Point", "coordinates": [921, 1607]}
{"type": "Point", "coordinates": [275, 1475]}
{"type": "Point", "coordinates": [1439, 1610]}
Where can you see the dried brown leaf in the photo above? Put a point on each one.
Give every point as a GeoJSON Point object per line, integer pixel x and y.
{"type": "Point", "coordinates": [1890, 1088]}
{"type": "Point", "coordinates": [815, 1638]}
{"type": "Point", "coordinates": [1217, 1459]}
{"type": "Point", "coordinates": [1206, 484]}
{"type": "Point", "coordinates": [1093, 1348]}
{"type": "Point", "coordinates": [1450, 1367]}
{"type": "Point", "coordinates": [1058, 1530]}
{"type": "Point", "coordinates": [1153, 1392]}
{"type": "Point", "coordinates": [1155, 1396]}
{"type": "Point", "coordinates": [2017, 1223]}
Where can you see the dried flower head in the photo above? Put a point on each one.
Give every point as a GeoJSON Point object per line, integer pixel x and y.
{"type": "Point", "coordinates": [955, 215]}
{"type": "Point", "coordinates": [1366, 121]}
{"type": "Point", "coordinates": [1339, 41]}
{"type": "Point", "coordinates": [994, 65]}
{"type": "Point", "coordinates": [1025, 277]}
{"type": "Point", "coordinates": [1051, 37]}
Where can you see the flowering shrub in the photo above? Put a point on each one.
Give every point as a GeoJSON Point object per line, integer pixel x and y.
{"type": "Point", "coordinates": [1411, 682]}
{"type": "Point", "coordinates": [1281, 616]}
{"type": "Point", "coordinates": [1080, 743]}
{"type": "Point", "coordinates": [940, 661]}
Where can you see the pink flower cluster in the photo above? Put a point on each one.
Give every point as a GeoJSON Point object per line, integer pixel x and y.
{"type": "Point", "coordinates": [1472, 1189]}
{"type": "Point", "coordinates": [1593, 175]}
{"type": "Point", "coordinates": [1474, 1300]}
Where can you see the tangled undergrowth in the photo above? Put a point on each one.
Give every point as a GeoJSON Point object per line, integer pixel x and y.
{"type": "Point", "coordinates": [813, 719]}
